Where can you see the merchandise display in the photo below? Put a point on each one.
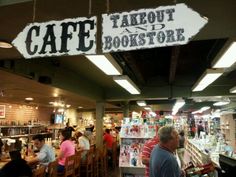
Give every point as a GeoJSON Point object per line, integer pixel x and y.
{"type": "Point", "coordinates": [130, 153]}
{"type": "Point", "coordinates": [134, 133]}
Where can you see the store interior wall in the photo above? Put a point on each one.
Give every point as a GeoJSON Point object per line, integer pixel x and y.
{"type": "Point", "coordinates": [15, 113]}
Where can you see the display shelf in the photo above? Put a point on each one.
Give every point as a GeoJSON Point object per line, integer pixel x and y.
{"type": "Point", "coordinates": [198, 156]}
{"type": "Point", "coordinates": [133, 136]}
{"type": "Point", "coordinates": [17, 131]}
{"type": "Point", "coordinates": [25, 135]}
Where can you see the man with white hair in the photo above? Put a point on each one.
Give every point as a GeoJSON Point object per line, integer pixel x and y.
{"type": "Point", "coordinates": [163, 162]}
{"type": "Point", "coordinates": [84, 143]}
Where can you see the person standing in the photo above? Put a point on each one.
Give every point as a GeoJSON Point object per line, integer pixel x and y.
{"type": "Point", "coordinates": [163, 162]}
{"type": "Point", "coordinates": [181, 149]}
{"type": "Point", "coordinates": [108, 140]}
{"type": "Point", "coordinates": [200, 128]}
{"type": "Point", "coordinates": [46, 153]}
{"type": "Point", "coordinates": [147, 149]}
{"type": "Point", "coordinates": [69, 128]}
{"type": "Point", "coordinates": [67, 148]}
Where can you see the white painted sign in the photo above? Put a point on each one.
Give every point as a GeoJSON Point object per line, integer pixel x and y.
{"type": "Point", "coordinates": [55, 38]}
{"type": "Point", "coordinates": [149, 28]}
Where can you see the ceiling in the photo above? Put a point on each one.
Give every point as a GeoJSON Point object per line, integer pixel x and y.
{"type": "Point", "coordinates": [163, 74]}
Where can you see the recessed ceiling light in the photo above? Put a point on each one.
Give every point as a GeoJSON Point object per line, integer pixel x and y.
{"type": "Point", "coordinates": [29, 99]}
{"type": "Point", "coordinates": [5, 45]}
{"type": "Point", "coordinates": [80, 107]}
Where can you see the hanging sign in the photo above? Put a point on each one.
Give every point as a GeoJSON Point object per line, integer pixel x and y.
{"type": "Point", "coordinates": [149, 28]}
{"type": "Point", "coordinates": [55, 38]}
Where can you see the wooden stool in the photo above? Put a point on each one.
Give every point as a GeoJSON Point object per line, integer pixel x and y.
{"type": "Point", "coordinates": [52, 169]}
{"type": "Point", "coordinates": [69, 167]}
{"type": "Point", "coordinates": [39, 172]}
{"type": "Point", "coordinates": [114, 155]}
{"type": "Point", "coordinates": [96, 156]}
{"type": "Point", "coordinates": [102, 163]}
{"type": "Point", "coordinates": [77, 164]}
{"type": "Point", "coordinates": [87, 166]}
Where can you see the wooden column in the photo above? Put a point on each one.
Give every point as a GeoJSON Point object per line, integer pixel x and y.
{"type": "Point", "coordinates": [126, 109]}
{"type": "Point", "coordinates": [99, 124]}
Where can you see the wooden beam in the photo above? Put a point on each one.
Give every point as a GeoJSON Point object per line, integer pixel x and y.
{"type": "Point", "coordinates": [173, 63]}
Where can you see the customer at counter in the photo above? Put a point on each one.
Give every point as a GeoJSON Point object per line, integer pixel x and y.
{"type": "Point", "coordinates": [46, 153]}
{"type": "Point", "coordinates": [84, 144]}
{"type": "Point", "coordinates": [67, 148]}
{"type": "Point", "coordinates": [163, 161]}
{"type": "Point", "coordinates": [16, 168]}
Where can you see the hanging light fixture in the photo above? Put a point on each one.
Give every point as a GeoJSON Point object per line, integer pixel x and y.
{"type": "Point", "coordinates": [106, 63]}
{"type": "Point", "coordinates": [125, 82]}
{"type": "Point", "coordinates": [208, 77]}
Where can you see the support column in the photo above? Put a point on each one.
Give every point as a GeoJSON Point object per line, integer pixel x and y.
{"type": "Point", "coordinates": [126, 109]}
{"type": "Point", "coordinates": [99, 124]}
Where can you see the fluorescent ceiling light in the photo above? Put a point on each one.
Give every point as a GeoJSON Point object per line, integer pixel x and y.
{"type": "Point", "coordinates": [204, 108]}
{"type": "Point", "coordinates": [226, 57]}
{"type": "Point", "coordinates": [106, 63]}
{"type": "Point", "coordinates": [201, 110]}
{"type": "Point", "coordinates": [141, 103]}
{"type": "Point", "coordinates": [233, 90]}
{"type": "Point", "coordinates": [125, 82]}
{"type": "Point", "coordinates": [147, 108]}
{"type": "Point", "coordinates": [29, 99]}
{"type": "Point", "coordinates": [5, 45]}
{"type": "Point", "coordinates": [178, 104]}
{"type": "Point", "coordinates": [209, 76]}
{"type": "Point", "coordinates": [221, 103]}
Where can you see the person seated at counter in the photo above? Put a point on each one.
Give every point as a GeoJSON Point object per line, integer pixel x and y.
{"type": "Point", "coordinates": [67, 148]}
{"type": "Point", "coordinates": [46, 153]}
{"type": "Point", "coordinates": [83, 143]}
{"type": "Point", "coordinates": [16, 168]}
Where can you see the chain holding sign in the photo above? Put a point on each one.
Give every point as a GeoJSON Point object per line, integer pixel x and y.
{"type": "Point", "coordinates": [149, 28]}
{"type": "Point", "coordinates": [55, 38]}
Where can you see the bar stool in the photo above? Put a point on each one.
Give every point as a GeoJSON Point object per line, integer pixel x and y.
{"type": "Point", "coordinates": [39, 172]}
{"type": "Point", "coordinates": [96, 157]}
{"type": "Point", "coordinates": [87, 166]}
{"type": "Point", "coordinates": [102, 163]}
{"type": "Point", "coordinates": [114, 154]}
{"type": "Point", "coordinates": [69, 167]}
{"type": "Point", "coordinates": [77, 164]}
{"type": "Point", "coordinates": [52, 169]}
